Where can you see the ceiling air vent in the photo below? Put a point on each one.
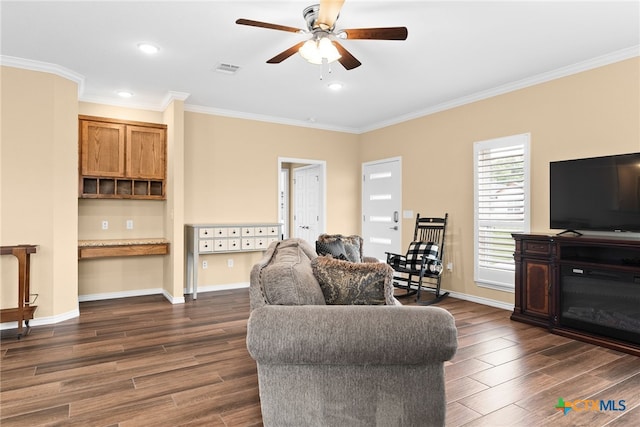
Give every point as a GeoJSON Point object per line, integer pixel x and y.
{"type": "Point", "coordinates": [227, 68]}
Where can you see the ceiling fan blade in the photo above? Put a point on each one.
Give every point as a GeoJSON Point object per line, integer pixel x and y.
{"type": "Point", "coordinates": [328, 13]}
{"type": "Point", "coordinates": [252, 23]}
{"type": "Point", "coordinates": [285, 54]}
{"type": "Point", "coordinates": [347, 60]}
{"type": "Point", "coordinates": [389, 33]}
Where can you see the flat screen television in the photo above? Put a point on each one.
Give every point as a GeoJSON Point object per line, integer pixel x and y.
{"type": "Point", "coordinates": [597, 193]}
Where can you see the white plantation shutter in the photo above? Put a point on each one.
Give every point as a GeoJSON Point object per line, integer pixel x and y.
{"type": "Point", "coordinates": [501, 191]}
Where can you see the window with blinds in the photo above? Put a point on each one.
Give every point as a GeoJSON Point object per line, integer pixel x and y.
{"type": "Point", "coordinates": [501, 205]}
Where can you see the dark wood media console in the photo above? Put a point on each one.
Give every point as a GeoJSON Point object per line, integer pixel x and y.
{"type": "Point", "coordinates": [586, 287]}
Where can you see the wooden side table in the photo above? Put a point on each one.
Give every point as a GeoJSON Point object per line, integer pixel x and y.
{"type": "Point", "coordinates": [24, 311]}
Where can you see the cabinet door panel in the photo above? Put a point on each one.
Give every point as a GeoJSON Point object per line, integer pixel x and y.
{"type": "Point", "coordinates": [145, 152]}
{"type": "Point", "coordinates": [102, 149]}
{"type": "Point", "coordinates": [537, 288]}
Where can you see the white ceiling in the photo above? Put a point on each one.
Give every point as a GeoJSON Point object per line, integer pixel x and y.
{"type": "Point", "coordinates": [456, 52]}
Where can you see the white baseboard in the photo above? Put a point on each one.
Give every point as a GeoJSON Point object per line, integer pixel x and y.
{"type": "Point", "coordinates": [172, 299]}
{"type": "Point", "coordinates": [121, 294]}
{"type": "Point", "coordinates": [480, 300]}
{"type": "Point", "coordinates": [40, 321]}
{"type": "Point", "coordinates": [223, 287]}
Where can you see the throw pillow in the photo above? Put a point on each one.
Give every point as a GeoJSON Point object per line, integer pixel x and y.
{"type": "Point", "coordinates": [418, 250]}
{"type": "Point", "coordinates": [334, 248]}
{"type": "Point", "coordinates": [288, 278]}
{"type": "Point", "coordinates": [348, 283]}
{"type": "Point", "coordinates": [352, 245]}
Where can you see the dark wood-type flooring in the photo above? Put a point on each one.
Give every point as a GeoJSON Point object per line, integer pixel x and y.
{"type": "Point", "coordinates": [144, 362]}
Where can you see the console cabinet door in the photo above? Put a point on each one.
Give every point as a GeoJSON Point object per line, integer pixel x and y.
{"type": "Point", "coordinates": [102, 149]}
{"type": "Point", "coordinates": [536, 288]}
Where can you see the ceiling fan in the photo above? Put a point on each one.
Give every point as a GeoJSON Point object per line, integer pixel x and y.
{"type": "Point", "coordinates": [323, 45]}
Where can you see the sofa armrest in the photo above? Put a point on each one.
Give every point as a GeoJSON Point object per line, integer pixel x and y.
{"type": "Point", "coordinates": [346, 335]}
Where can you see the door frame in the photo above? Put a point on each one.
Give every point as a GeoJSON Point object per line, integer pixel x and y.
{"type": "Point", "coordinates": [362, 201]}
{"type": "Point", "coordinates": [309, 162]}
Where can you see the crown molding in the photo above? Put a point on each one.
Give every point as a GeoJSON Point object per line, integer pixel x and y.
{"type": "Point", "coordinates": [173, 96]}
{"type": "Point", "coordinates": [266, 118]}
{"type": "Point", "coordinates": [600, 61]}
{"type": "Point", "coordinates": [45, 67]}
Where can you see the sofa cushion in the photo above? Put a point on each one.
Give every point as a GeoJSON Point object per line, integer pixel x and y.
{"type": "Point", "coordinates": [334, 248]}
{"type": "Point", "coordinates": [352, 245]}
{"type": "Point", "coordinates": [349, 283]}
{"type": "Point", "coordinates": [288, 278]}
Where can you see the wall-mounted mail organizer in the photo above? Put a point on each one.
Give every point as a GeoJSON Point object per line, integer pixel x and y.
{"type": "Point", "coordinates": [224, 238]}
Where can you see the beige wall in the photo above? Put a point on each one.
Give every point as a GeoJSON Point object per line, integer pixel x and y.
{"type": "Point", "coordinates": [229, 174]}
{"type": "Point", "coordinates": [38, 187]}
{"type": "Point", "coordinates": [119, 276]}
{"type": "Point", "coordinates": [593, 113]}
{"type": "Point", "coordinates": [174, 207]}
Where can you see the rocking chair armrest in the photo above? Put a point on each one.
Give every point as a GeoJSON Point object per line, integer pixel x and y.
{"type": "Point", "coordinates": [392, 255]}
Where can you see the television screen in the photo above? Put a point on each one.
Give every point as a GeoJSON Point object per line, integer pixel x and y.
{"type": "Point", "coordinates": [598, 193]}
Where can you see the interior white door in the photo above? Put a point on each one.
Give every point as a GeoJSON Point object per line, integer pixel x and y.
{"type": "Point", "coordinates": [283, 202]}
{"type": "Point", "coordinates": [381, 204]}
{"type": "Point", "coordinates": [307, 195]}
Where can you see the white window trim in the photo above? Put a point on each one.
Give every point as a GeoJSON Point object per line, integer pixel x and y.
{"type": "Point", "coordinates": [503, 284]}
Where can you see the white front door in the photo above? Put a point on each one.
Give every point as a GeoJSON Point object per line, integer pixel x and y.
{"type": "Point", "coordinates": [307, 195]}
{"type": "Point", "coordinates": [381, 205]}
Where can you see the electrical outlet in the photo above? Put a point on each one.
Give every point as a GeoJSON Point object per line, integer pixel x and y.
{"type": "Point", "coordinates": [230, 262]}
{"type": "Point", "coordinates": [105, 225]}
{"type": "Point", "coordinates": [204, 265]}
{"type": "Point", "coordinates": [129, 224]}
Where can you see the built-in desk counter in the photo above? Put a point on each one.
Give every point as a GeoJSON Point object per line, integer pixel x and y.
{"type": "Point", "coordinates": [122, 247]}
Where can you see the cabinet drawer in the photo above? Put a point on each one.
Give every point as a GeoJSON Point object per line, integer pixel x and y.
{"type": "Point", "coordinates": [261, 231]}
{"type": "Point", "coordinates": [233, 232]}
{"type": "Point", "coordinates": [270, 240]}
{"type": "Point", "coordinates": [221, 244]}
{"type": "Point", "coordinates": [203, 233]}
{"type": "Point", "coordinates": [205, 245]}
{"type": "Point", "coordinates": [273, 231]}
{"type": "Point", "coordinates": [261, 243]}
{"type": "Point", "coordinates": [248, 231]}
{"type": "Point", "coordinates": [537, 248]}
{"type": "Point", "coordinates": [234, 244]}
{"type": "Point", "coordinates": [249, 243]}
{"type": "Point", "coordinates": [221, 231]}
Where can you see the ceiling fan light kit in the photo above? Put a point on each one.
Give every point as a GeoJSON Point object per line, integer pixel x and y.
{"type": "Point", "coordinates": [317, 50]}
{"type": "Point", "coordinates": [323, 46]}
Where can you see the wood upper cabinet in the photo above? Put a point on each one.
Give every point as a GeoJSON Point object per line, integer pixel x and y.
{"type": "Point", "coordinates": [122, 159]}
{"type": "Point", "coordinates": [102, 147]}
{"type": "Point", "coordinates": [145, 152]}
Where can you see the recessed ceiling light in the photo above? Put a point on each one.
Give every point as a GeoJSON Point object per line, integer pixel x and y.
{"type": "Point", "coordinates": [148, 48]}
{"type": "Point", "coordinates": [335, 85]}
{"type": "Point", "coordinates": [125, 94]}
